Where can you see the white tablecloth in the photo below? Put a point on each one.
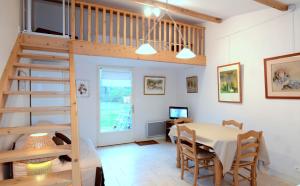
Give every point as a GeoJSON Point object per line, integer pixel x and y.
{"type": "Point", "coordinates": [222, 139]}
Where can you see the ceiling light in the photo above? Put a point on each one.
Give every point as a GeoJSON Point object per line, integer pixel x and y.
{"type": "Point", "coordinates": [185, 53]}
{"type": "Point", "coordinates": [145, 49]}
{"type": "Point", "coordinates": [147, 11]}
{"type": "Point", "coordinates": [156, 12]}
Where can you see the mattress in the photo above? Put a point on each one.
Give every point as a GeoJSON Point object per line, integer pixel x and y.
{"type": "Point", "coordinates": [88, 162]}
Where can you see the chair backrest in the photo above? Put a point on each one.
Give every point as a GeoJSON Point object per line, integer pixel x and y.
{"type": "Point", "coordinates": [183, 120]}
{"type": "Point", "coordinates": [186, 139]}
{"type": "Point", "coordinates": [233, 123]}
{"type": "Point", "coordinates": [248, 145]}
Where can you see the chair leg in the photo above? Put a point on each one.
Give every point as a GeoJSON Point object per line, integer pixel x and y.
{"type": "Point", "coordinates": [196, 172]}
{"type": "Point", "coordinates": [182, 166]}
{"type": "Point", "coordinates": [236, 176]}
{"type": "Point", "coordinates": [253, 175]}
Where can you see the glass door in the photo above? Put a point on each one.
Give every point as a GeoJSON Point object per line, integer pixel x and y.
{"type": "Point", "coordinates": [116, 108]}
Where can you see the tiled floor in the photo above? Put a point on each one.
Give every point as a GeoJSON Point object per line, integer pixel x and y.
{"type": "Point", "coordinates": [154, 165]}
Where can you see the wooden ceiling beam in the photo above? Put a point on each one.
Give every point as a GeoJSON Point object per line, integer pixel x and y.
{"type": "Point", "coordinates": [274, 4]}
{"type": "Point", "coordinates": [179, 10]}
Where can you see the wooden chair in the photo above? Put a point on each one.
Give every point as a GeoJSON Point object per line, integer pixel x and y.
{"type": "Point", "coordinates": [188, 151]}
{"type": "Point", "coordinates": [246, 157]}
{"type": "Point", "coordinates": [233, 123]}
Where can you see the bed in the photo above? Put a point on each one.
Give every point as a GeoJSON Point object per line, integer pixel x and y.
{"type": "Point", "coordinates": [90, 164]}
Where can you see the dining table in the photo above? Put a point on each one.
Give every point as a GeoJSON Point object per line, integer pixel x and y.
{"type": "Point", "coordinates": [223, 141]}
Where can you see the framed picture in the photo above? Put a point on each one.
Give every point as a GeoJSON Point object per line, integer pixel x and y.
{"type": "Point", "coordinates": [282, 77]}
{"type": "Point", "coordinates": [82, 87]}
{"type": "Point", "coordinates": [192, 84]}
{"type": "Point", "coordinates": [154, 85]}
{"type": "Point", "coordinates": [229, 83]}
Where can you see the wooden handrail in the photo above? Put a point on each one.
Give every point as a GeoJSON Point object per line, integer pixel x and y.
{"type": "Point", "coordinates": [163, 35]}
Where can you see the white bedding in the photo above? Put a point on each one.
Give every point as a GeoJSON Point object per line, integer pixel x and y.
{"type": "Point", "coordinates": [88, 162]}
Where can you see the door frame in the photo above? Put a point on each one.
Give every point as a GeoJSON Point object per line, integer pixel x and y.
{"type": "Point", "coordinates": [130, 132]}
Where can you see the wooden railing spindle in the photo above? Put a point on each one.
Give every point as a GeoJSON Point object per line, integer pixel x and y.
{"type": "Point", "coordinates": [89, 23]}
{"type": "Point", "coordinates": [81, 22]}
{"type": "Point", "coordinates": [137, 34]}
{"type": "Point", "coordinates": [96, 25]}
{"type": "Point", "coordinates": [118, 28]}
{"type": "Point", "coordinates": [104, 26]}
{"type": "Point", "coordinates": [175, 38]}
{"type": "Point", "coordinates": [159, 36]}
{"type": "Point", "coordinates": [124, 29]}
{"type": "Point", "coordinates": [111, 25]}
{"type": "Point", "coordinates": [170, 36]}
{"type": "Point", "coordinates": [202, 42]}
{"type": "Point", "coordinates": [143, 29]}
{"type": "Point", "coordinates": [149, 28]}
{"type": "Point", "coordinates": [165, 35]}
{"type": "Point", "coordinates": [189, 36]}
{"type": "Point", "coordinates": [154, 33]}
{"type": "Point", "coordinates": [131, 29]}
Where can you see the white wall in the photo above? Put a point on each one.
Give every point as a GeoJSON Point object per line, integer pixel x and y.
{"type": "Point", "coordinates": [10, 27]}
{"type": "Point", "coordinates": [147, 108]}
{"type": "Point", "coordinates": [249, 39]}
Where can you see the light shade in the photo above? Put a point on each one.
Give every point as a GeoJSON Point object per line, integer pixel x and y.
{"type": "Point", "coordinates": [145, 49]}
{"type": "Point", "coordinates": [185, 53]}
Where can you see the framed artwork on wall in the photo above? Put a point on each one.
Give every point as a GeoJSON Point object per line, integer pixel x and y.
{"type": "Point", "coordinates": [192, 84]}
{"type": "Point", "coordinates": [282, 77]}
{"type": "Point", "coordinates": [229, 83]}
{"type": "Point", "coordinates": [154, 85]}
{"type": "Point", "coordinates": [82, 87]}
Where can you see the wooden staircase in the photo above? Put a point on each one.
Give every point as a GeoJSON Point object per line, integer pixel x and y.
{"type": "Point", "coordinates": [38, 45]}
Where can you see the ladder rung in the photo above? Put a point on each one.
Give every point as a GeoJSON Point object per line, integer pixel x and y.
{"type": "Point", "coordinates": [41, 67]}
{"type": "Point", "coordinates": [63, 178]}
{"type": "Point", "coordinates": [29, 78]}
{"type": "Point", "coordinates": [34, 109]}
{"type": "Point", "coordinates": [34, 129]}
{"type": "Point", "coordinates": [43, 57]}
{"type": "Point", "coordinates": [37, 93]}
{"type": "Point", "coordinates": [44, 48]}
{"type": "Point", "coordinates": [29, 154]}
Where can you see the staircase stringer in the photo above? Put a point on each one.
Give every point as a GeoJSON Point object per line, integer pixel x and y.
{"type": "Point", "coordinates": [9, 70]}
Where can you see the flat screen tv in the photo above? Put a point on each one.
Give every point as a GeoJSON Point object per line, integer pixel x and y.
{"type": "Point", "coordinates": [178, 112]}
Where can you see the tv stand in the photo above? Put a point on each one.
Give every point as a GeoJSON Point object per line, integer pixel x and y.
{"type": "Point", "coordinates": [171, 122]}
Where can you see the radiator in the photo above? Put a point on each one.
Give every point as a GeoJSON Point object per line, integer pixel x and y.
{"type": "Point", "coordinates": [156, 128]}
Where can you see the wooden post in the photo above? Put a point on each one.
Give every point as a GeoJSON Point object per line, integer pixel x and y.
{"type": "Point", "coordinates": [154, 34]}
{"type": "Point", "coordinates": [189, 37]}
{"type": "Point", "coordinates": [137, 35]}
{"type": "Point", "coordinates": [118, 27]}
{"type": "Point", "coordinates": [89, 22]}
{"type": "Point", "coordinates": [149, 28]}
{"type": "Point", "coordinates": [202, 42]}
{"type": "Point", "coordinates": [193, 39]}
{"type": "Point", "coordinates": [104, 25]}
{"type": "Point", "coordinates": [73, 15]}
{"type": "Point", "coordinates": [159, 36]}
{"type": "Point", "coordinates": [170, 36]}
{"type": "Point", "coordinates": [76, 177]}
{"type": "Point", "coordinates": [143, 29]}
{"type": "Point", "coordinates": [124, 30]}
{"type": "Point", "coordinates": [198, 41]}
{"type": "Point", "coordinates": [81, 21]}
{"type": "Point", "coordinates": [111, 29]}
{"type": "Point", "coordinates": [96, 25]}
{"type": "Point", "coordinates": [175, 38]}
{"type": "Point", "coordinates": [131, 29]}
{"type": "Point", "coordinates": [184, 36]}
{"type": "Point", "coordinates": [165, 35]}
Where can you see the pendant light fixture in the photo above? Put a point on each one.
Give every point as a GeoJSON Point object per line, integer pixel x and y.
{"type": "Point", "coordinates": [147, 49]}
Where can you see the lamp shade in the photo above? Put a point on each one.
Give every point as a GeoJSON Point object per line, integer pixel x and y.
{"type": "Point", "coordinates": [145, 49]}
{"type": "Point", "coordinates": [185, 53]}
{"type": "Point", "coordinates": [39, 141]}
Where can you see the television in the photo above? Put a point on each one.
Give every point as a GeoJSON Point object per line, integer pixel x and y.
{"type": "Point", "coordinates": [178, 112]}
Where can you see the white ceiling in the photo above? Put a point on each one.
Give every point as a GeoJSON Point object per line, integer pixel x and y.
{"type": "Point", "coordinates": [219, 8]}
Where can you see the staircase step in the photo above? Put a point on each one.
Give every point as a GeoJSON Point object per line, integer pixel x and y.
{"type": "Point", "coordinates": [35, 129]}
{"type": "Point", "coordinates": [29, 78]}
{"type": "Point", "coordinates": [63, 178]}
{"type": "Point", "coordinates": [43, 57]}
{"type": "Point", "coordinates": [41, 67]}
{"type": "Point", "coordinates": [34, 109]}
{"type": "Point", "coordinates": [29, 154]}
{"type": "Point", "coordinates": [28, 46]}
{"type": "Point", "coordinates": [38, 93]}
